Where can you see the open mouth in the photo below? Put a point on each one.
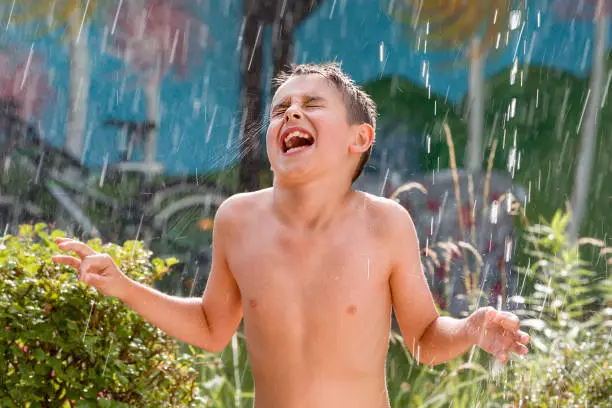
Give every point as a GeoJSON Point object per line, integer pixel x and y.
{"type": "Point", "coordinates": [296, 140]}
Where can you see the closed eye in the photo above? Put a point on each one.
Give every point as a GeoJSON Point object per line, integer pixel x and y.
{"type": "Point", "coordinates": [278, 112]}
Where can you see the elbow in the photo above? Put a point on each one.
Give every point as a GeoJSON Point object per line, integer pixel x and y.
{"type": "Point", "coordinates": [428, 359]}
{"type": "Point", "coordinates": [212, 346]}
{"type": "Point", "coordinates": [214, 341]}
{"type": "Point", "coordinates": [431, 363]}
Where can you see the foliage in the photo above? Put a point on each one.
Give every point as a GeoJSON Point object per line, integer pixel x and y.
{"type": "Point", "coordinates": [544, 132]}
{"type": "Point", "coordinates": [401, 103]}
{"type": "Point", "coordinates": [226, 379]}
{"type": "Point", "coordinates": [449, 24]}
{"type": "Point", "coordinates": [63, 344]}
{"type": "Point", "coordinates": [570, 317]}
{"type": "Point", "coordinates": [461, 382]}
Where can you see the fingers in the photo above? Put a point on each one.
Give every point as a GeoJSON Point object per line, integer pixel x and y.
{"type": "Point", "coordinates": [82, 250]}
{"type": "Point", "coordinates": [504, 355]}
{"type": "Point", "coordinates": [507, 320]}
{"type": "Point", "coordinates": [519, 349]}
{"type": "Point", "coordinates": [67, 260]}
{"type": "Point", "coordinates": [522, 337]}
{"type": "Point", "coordinates": [95, 264]}
{"type": "Point", "coordinates": [91, 279]}
{"type": "Point", "coordinates": [92, 269]}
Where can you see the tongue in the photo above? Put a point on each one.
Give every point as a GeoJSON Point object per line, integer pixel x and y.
{"type": "Point", "coordinates": [297, 142]}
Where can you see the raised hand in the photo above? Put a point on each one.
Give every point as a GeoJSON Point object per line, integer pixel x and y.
{"type": "Point", "coordinates": [95, 269]}
{"type": "Point", "coordinates": [498, 333]}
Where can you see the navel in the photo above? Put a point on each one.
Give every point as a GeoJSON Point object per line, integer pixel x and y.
{"type": "Point", "coordinates": [352, 309]}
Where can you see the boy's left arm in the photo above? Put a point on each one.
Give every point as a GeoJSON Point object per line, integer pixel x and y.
{"type": "Point", "coordinates": [435, 339]}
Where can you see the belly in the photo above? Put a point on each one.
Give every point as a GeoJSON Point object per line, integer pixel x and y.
{"type": "Point", "coordinates": [323, 392]}
{"type": "Point", "coordinates": [326, 349]}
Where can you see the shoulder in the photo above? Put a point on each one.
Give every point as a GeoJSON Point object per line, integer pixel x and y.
{"type": "Point", "coordinates": [385, 209]}
{"type": "Point", "coordinates": [241, 207]}
{"type": "Point", "coordinates": [389, 217]}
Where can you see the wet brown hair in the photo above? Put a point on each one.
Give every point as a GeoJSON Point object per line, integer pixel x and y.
{"type": "Point", "coordinates": [359, 105]}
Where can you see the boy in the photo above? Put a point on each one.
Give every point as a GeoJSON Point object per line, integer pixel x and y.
{"type": "Point", "coordinates": [313, 265]}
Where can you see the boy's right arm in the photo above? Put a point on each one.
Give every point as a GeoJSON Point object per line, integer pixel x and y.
{"type": "Point", "coordinates": [207, 323]}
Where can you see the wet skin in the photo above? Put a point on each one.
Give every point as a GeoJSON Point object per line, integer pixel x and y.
{"type": "Point", "coordinates": [314, 268]}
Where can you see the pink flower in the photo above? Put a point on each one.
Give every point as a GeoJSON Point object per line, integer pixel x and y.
{"type": "Point", "coordinates": [581, 10]}
{"type": "Point", "coordinates": [158, 36]}
{"type": "Point", "coordinates": [52, 373]}
{"type": "Point", "coordinates": [23, 82]}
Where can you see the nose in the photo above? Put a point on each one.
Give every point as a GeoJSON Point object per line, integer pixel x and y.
{"type": "Point", "coordinates": [293, 113]}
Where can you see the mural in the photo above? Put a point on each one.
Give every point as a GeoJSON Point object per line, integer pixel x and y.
{"type": "Point", "coordinates": [135, 119]}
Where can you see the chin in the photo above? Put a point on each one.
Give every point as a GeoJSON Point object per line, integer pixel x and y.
{"type": "Point", "coordinates": [292, 176]}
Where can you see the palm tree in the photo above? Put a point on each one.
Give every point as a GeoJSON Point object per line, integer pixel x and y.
{"type": "Point", "coordinates": [476, 26]}
{"type": "Point", "coordinates": [599, 11]}
{"type": "Point", "coordinates": [285, 16]}
{"type": "Point", "coordinates": [151, 37]}
{"type": "Point", "coordinates": [74, 16]}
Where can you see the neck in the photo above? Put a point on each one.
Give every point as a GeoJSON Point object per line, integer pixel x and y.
{"type": "Point", "coordinates": [310, 205]}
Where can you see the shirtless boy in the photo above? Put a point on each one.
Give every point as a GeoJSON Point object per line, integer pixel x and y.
{"type": "Point", "coordinates": [312, 265]}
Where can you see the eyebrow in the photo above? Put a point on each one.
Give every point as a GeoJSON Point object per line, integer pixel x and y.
{"type": "Point", "coordinates": [305, 99]}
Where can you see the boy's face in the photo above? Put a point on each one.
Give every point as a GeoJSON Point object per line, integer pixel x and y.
{"type": "Point", "coordinates": [309, 133]}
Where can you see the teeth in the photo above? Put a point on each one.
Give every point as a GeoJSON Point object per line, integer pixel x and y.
{"type": "Point", "coordinates": [296, 133]}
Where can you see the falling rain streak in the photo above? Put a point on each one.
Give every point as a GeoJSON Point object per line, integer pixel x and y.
{"type": "Point", "coordinates": [127, 124]}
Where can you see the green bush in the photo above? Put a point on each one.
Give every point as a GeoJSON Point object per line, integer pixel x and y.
{"type": "Point", "coordinates": [568, 316]}
{"type": "Point", "coordinates": [569, 319]}
{"type": "Point", "coordinates": [570, 322]}
{"type": "Point", "coordinates": [63, 344]}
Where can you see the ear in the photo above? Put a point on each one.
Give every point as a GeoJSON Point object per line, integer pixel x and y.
{"type": "Point", "coordinates": [363, 139]}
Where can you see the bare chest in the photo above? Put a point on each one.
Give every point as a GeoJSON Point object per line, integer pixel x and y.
{"type": "Point", "coordinates": [322, 276]}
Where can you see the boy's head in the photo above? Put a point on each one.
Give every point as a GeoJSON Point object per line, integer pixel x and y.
{"type": "Point", "coordinates": [320, 99]}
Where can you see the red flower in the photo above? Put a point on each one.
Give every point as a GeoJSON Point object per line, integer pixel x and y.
{"type": "Point", "coordinates": [466, 212]}
{"type": "Point", "coordinates": [497, 290]}
{"type": "Point", "coordinates": [439, 273]}
{"type": "Point", "coordinates": [440, 300]}
{"type": "Point", "coordinates": [433, 205]}
{"type": "Point", "coordinates": [490, 246]}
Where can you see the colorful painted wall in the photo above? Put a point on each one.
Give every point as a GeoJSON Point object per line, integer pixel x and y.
{"type": "Point", "coordinates": [179, 64]}
{"type": "Point", "coordinates": [200, 107]}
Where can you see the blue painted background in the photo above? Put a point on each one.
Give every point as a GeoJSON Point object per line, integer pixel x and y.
{"type": "Point", "coordinates": [350, 31]}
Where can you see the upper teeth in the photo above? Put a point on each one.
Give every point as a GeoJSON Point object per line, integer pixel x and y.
{"type": "Point", "coordinates": [296, 133]}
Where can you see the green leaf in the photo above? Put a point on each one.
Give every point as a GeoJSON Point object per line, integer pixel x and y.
{"type": "Point", "coordinates": [172, 261]}
{"type": "Point", "coordinates": [40, 355]}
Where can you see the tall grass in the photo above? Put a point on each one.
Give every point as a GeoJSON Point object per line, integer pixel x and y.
{"type": "Point", "coordinates": [568, 316]}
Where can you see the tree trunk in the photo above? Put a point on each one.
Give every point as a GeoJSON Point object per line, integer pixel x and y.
{"type": "Point", "coordinates": [153, 110]}
{"type": "Point", "coordinates": [251, 76]}
{"type": "Point", "coordinates": [285, 16]}
{"type": "Point", "coordinates": [476, 108]}
{"type": "Point", "coordinates": [282, 46]}
{"type": "Point", "coordinates": [76, 120]}
{"type": "Point", "coordinates": [588, 139]}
